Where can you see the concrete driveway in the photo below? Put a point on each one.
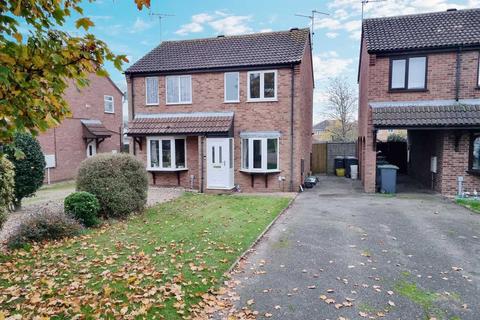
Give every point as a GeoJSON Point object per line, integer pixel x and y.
{"type": "Point", "coordinates": [340, 254]}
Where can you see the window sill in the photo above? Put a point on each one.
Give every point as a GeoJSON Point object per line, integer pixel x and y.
{"type": "Point", "coordinates": [406, 90]}
{"type": "Point", "coordinates": [473, 172]}
{"type": "Point", "coordinates": [108, 112]}
{"type": "Point", "coordinates": [166, 169]}
{"type": "Point", "coordinates": [227, 102]}
{"type": "Point", "coordinates": [177, 103]}
{"type": "Point", "coordinates": [152, 104]}
{"type": "Point", "coordinates": [260, 171]}
{"type": "Point", "coordinates": [262, 100]}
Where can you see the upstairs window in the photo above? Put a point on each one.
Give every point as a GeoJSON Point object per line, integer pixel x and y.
{"type": "Point", "coordinates": [408, 73]}
{"type": "Point", "coordinates": [262, 85]}
{"type": "Point", "coordinates": [260, 154]}
{"type": "Point", "coordinates": [474, 153]}
{"type": "Point", "coordinates": [151, 90]}
{"type": "Point", "coordinates": [478, 71]}
{"type": "Point", "coordinates": [179, 89]}
{"type": "Point", "coordinates": [232, 87]}
{"type": "Point", "coordinates": [108, 105]}
{"type": "Point", "coordinates": [166, 153]}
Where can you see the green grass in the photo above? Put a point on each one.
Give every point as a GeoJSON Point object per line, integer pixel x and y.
{"type": "Point", "coordinates": [54, 191]}
{"type": "Point", "coordinates": [182, 247]}
{"type": "Point", "coordinates": [471, 204]}
{"type": "Point", "coordinates": [425, 299]}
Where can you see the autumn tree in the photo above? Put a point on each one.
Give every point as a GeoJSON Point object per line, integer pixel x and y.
{"type": "Point", "coordinates": [341, 107]}
{"type": "Point", "coordinates": [35, 68]}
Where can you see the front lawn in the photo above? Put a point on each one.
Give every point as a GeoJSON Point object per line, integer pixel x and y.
{"type": "Point", "coordinates": [471, 204]}
{"type": "Point", "coordinates": [155, 265]}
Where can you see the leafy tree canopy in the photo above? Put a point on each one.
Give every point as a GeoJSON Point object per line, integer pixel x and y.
{"type": "Point", "coordinates": [35, 70]}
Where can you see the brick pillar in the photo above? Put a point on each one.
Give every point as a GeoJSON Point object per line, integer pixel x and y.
{"type": "Point", "coordinates": [370, 156]}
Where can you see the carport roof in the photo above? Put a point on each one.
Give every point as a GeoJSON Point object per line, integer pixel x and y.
{"type": "Point", "coordinates": [426, 114]}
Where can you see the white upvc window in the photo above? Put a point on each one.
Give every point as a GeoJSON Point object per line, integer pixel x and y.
{"type": "Point", "coordinates": [260, 154]}
{"type": "Point", "coordinates": [408, 73]}
{"type": "Point", "coordinates": [232, 87]}
{"type": "Point", "coordinates": [151, 91]}
{"type": "Point", "coordinates": [166, 153]}
{"type": "Point", "coordinates": [478, 71]}
{"type": "Point", "coordinates": [262, 85]}
{"type": "Point", "coordinates": [178, 89]}
{"type": "Point", "coordinates": [108, 104]}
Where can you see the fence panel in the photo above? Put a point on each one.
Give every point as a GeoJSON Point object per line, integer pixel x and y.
{"type": "Point", "coordinates": [319, 158]}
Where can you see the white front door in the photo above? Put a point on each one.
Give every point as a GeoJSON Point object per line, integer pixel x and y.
{"type": "Point", "coordinates": [219, 163]}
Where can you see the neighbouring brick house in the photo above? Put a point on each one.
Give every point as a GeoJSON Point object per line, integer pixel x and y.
{"type": "Point", "coordinates": [421, 73]}
{"type": "Point", "coordinates": [93, 127]}
{"type": "Point", "coordinates": [221, 112]}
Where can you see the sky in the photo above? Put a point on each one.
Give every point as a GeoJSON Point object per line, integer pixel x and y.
{"type": "Point", "coordinates": [335, 44]}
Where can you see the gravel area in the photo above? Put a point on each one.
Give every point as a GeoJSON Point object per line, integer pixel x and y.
{"type": "Point", "coordinates": [54, 199]}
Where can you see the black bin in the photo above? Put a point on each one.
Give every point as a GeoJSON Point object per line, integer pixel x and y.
{"type": "Point", "coordinates": [339, 162]}
{"type": "Point", "coordinates": [349, 161]}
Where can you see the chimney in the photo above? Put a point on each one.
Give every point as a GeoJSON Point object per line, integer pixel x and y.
{"type": "Point", "coordinates": [451, 9]}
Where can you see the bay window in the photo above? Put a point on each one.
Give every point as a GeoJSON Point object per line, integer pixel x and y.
{"type": "Point", "coordinates": [408, 73]}
{"type": "Point", "coordinates": [260, 153]}
{"type": "Point", "coordinates": [179, 89]}
{"type": "Point", "coordinates": [262, 85]}
{"type": "Point", "coordinates": [166, 153]}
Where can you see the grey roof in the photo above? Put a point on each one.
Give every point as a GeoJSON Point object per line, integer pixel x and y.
{"type": "Point", "coordinates": [423, 31]}
{"type": "Point", "coordinates": [257, 49]}
{"type": "Point", "coordinates": [426, 115]}
{"type": "Point", "coordinates": [323, 125]}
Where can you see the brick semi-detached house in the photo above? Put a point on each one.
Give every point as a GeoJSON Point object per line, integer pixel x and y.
{"type": "Point", "coordinates": [93, 127]}
{"type": "Point", "coordinates": [421, 73]}
{"type": "Point", "coordinates": [224, 112]}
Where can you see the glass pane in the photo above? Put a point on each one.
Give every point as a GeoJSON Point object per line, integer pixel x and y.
{"type": "Point", "coordinates": [245, 153]}
{"type": "Point", "coordinates": [172, 90]}
{"type": "Point", "coordinates": [254, 85]}
{"type": "Point", "coordinates": [166, 154]}
{"type": "Point", "coordinates": [272, 150]}
{"type": "Point", "coordinates": [152, 90]}
{"type": "Point", "coordinates": [476, 154]}
{"type": "Point", "coordinates": [213, 154]}
{"type": "Point", "coordinates": [220, 154]}
{"type": "Point", "coordinates": [154, 160]}
{"type": "Point", "coordinates": [230, 144]}
{"type": "Point", "coordinates": [269, 85]}
{"type": "Point", "coordinates": [257, 154]}
{"type": "Point", "coordinates": [416, 73]}
{"type": "Point", "coordinates": [398, 74]}
{"type": "Point", "coordinates": [231, 86]}
{"type": "Point", "coordinates": [180, 153]}
{"type": "Point", "coordinates": [185, 88]}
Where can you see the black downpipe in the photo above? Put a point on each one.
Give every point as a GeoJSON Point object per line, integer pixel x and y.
{"type": "Point", "coordinates": [292, 93]}
{"type": "Point", "coordinates": [457, 73]}
{"type": "Point", "coordinates": [133, 112]}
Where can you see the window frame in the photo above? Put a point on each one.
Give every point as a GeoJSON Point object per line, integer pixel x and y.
{"type": "Point", "coordinates": [225, 87]}
{"type": "Point", "coordinates": [478, 71]}
{"type": "Point", "coordinates": [470, 170]}
{"type": "Point", "coordinates": [105, 100]}
{"type": "Point", "coordinates": [173, 160]}
{"type": "Point", "coordinates": [262, 86]}
{"type": "Point", "coordinates": [407, 67]}
{"type": "Point", "coordinates": [264, 155]}
{"type": "Point", "coordinates": [93, 144]}
{"type": "Point", "coordinates": [146, 92]}
{"type": "Point", "coordinates": [179, 89]}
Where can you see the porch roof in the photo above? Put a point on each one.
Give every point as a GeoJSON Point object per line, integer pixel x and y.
{"type": "Point", "coordinates": [426, 114]}
{"type": "Point", "coordinates": [193, 123]}
{"type": "Point", "coordinates": [94, 129]}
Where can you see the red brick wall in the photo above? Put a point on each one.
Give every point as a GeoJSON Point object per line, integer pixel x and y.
{"type": "Point", "coordinates": [66, 142]}
{"type": "Point", "coordinates": [373, 87]}
{"type": "Point", "coordinates": [208, 96]}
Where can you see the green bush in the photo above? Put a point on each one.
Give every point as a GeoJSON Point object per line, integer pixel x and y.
{"type": "Point", "coordinates": [7, 187]}
{"type": "Point", "coordinates": [29, 169]}
{"type": "Point", "coordinates": [84, 207]}
{"type": "Point", "coordinates": [118, 181]}
{"type": "Point", "coordinates": [47, 224]}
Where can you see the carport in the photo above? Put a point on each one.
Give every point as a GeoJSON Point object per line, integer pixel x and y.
{"type": "Point", "coordinates": [441, 143]}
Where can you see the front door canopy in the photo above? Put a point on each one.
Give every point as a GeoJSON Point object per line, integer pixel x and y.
{"type": "Point", "coordinates": [436, 114]}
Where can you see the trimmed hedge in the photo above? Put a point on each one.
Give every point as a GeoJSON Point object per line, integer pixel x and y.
{"type": "Point", "coordinates": [29, 169]}
{"type": "Point", "coordinates": [7, 187]}
{"type": "Point", "coordinates": [84, 207]}
{"type": "Point", "coordinates": [119, 182]}
{"type": "Point", "coordinates": [47, 224]}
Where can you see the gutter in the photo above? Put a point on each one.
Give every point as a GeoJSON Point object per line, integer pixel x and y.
{"type": "Point", "coordinates": [292, 94]}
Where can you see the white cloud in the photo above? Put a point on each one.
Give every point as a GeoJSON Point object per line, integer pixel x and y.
{"type": "Point", "coordinates": [220, 21]}
{"type": "Point", "coordinates": [266, 30]}
{"type": "Point", "coordinates": [332, 35]}
{"type": "Point", "coordinates": [140, 25]}
{"type": "Point", "coordinates": [328, 65]}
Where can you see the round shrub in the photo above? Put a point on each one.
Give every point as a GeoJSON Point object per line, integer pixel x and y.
{"type": "Point", "coordinates": [46, 224]}
{"type": "Point", "coordinates": [118, 181]}
{"type": "Point", "coordinates": [7, 187]}
{"type": "Point", "coordinates": [84, 207]}
{"type": "Point", "coordinates": [29, 168]}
